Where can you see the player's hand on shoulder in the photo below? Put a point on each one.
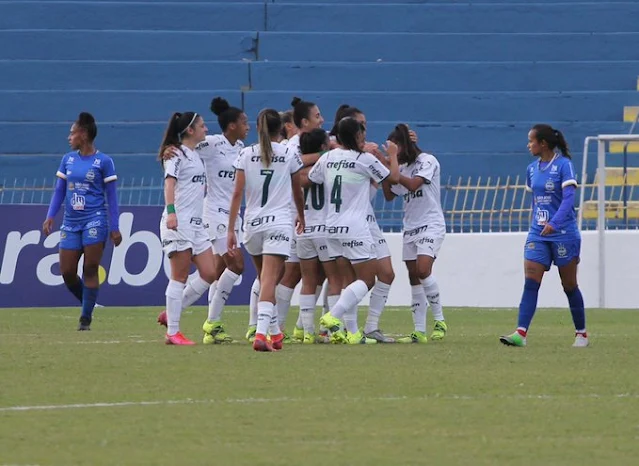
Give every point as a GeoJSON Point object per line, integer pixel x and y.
{"type": "Point", "coordinates": [47, 226]}
{"type": "Point", "coordinates": [171, 222]}
{"type": "Point", "coordinates": [169, 152]}
{"type": "Point", "coordinates": [116, 237]}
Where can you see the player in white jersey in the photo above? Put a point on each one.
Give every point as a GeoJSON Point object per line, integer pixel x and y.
{"type": "Point", "coordinates": [315, 262]}
{"type": "Point", "coordinates": [424, 230]}
{"type": "Point", "coordinates": [219, 152]}
{"type": "Point", "coordinates": [346, 173]}
{"type": "Point", "coordinates": [288, 126]}
{"type": "Point", "coordinates": [306, 116]}
{"type": "Point", "coordinates": [270, 175]}
{"type": "Point", "coordinates": [182, 231]}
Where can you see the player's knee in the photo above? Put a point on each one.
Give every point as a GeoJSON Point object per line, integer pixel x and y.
{"type": "Point", "coordinates": [70, 276]}
{"type": "Point", "coordinates": [569, 287]}
{"type": "Point", "coordinates": [386, 277]}
{"type": "Point", "coordinates": [236, 267]}
{"type": "Point", "coordinates": [90, 270]}
{"type": "Point", "coordinates": [424, 273]}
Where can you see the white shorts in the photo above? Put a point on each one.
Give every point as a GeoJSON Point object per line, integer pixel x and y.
{"type": "Point", "coordinates": [380, 246]}
{"type": "Point", "coordinates": [275, 241]}
{"type": "Point", "coordinates": [355, 250]}
{"type": "Point", "coordinates": [292, 254]}
{"type": "Point", "coordinates": [181, 240]}
{"type": "Point", "coordinates": [220, 243]}
{"type": "Point", "coordinates": [310, 248]}
{"type": "Point", "coordinates": [426, 244]}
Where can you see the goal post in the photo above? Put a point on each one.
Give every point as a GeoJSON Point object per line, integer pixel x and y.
{"type": "Point", "coordinates": [602, 141]}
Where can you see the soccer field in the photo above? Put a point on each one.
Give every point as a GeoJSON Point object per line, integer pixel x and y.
{"type": "Point", "coordinates": [118, 396]}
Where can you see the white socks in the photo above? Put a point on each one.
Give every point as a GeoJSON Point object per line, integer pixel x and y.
{"type": "Point", "coordinates": [419, 305]}
{"type": "Point", "coordinates": [193, 290]}
{"type": "Point", "coordinates": [173, 294]}
{"type": "Point", "coordinates": [350, 297]}
{"type": "Point", "coordinates": [264, 315]}
{"type": "Point", "coordinates": [283, 295]}
{"type": "Point", "coordinates": [307, 312]}
{"type": "Point", "coordinates": [432, 295]}
{"type": "Point", "coordinates": [379, 296]}
{"type": "Point", "coordinates": [350, 320]}
{"type": "Point", "coordinates": [224, 289]}
{"type": "Point", "coordinates": [255, 296]}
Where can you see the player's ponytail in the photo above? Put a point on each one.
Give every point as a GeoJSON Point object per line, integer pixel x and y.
{"type": "Point", "coordinates": [269, 125]}
{"type": "Point", "coordinates": [553, 138]}
{"type": "Point", "coordinates": [348, 134]}
{"type": "Point", "coordinates": [178, 124]}
{"type": "Point", "coordinates": [408, 150]}
{"type": "Point", "coordinates": [86, 122]}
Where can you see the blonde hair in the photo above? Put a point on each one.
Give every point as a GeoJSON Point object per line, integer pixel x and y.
{"type": "Point", "coordinates": [269, 125]}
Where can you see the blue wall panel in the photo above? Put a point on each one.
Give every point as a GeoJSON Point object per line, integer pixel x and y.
{"type": "Point", "coordinates": [127, 45]}
{"type": "Point", "coordinates": [361, 47]}
{"type": "Point", "coordinates": [442, 17]}
{"type": "Point", "coordinates": [133, 16]}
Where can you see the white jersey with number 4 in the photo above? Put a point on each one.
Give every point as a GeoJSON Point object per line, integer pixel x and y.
{"type": "Point", "coordinates": [268, 188]}
{"type": "Point", "coordinates": [188, 169]}
{"type": "Point", "coordinates": [346, 175]}
{"type": "Point", "coordinates": [218, 155]}
{"type": "Point", "coordinates": [422, 207]}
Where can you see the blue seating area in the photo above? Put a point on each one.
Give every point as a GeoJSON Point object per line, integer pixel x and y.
{"type": "Point", "coordinates": [471, 76]}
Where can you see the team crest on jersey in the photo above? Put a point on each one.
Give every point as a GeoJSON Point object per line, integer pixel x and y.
{"type": "Point", "coordinates": [221, 228]}
{"type": "Point", "coordinates": [550, 186]}
{"type": "Point", "coordinates": [93, 232]}
{"type": "Point", "coordinates": [561, 250]}
{"type": "Point", "coordinates": [553, 169]}
{"type": "Point", "coordinates": [530, 245]}
{"type": "Point", "coordinates": [96, 163]}
{"type": "Point", "coordinates": [71, 159]}
{"type": "Point", "coordinates": [90, 175]}
{"type": "Point", "coordinates": [63, 234]}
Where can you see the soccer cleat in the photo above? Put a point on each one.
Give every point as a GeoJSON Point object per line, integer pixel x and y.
{"type": "Point", "coordinates": [309, 339]}
{"type": "Point", "coordinates": [162, 320]}
{"type": "Point", "coordinates": [277, 341]}
{"type": "Point", "coordinates": [359, 339]}
{"type": "Point", "coordinates": [298, 334]}
{"type": "Point", "coordinates": [415, 337]}
{"type": "Point", "coordinates": [379, 337]}
{"type": "Point", "coordinates": [250, 333]}
{"type": "Point", "coordinates": [439, 331]}
{"type": "Point", "coordinates": [178, 339]}
{"type": "Point", "coordinates": [333, 324]}
{"type": "Point", "coordinates": [261, 344]}
{"type": "Point", "coordinates": [84, 324]}
{"type": "Point", "coordinates": [581, 341]}
{"type": "Point", "coordinates": [514, 339]}
{"type": "Point", "coordinates": [214, 333]}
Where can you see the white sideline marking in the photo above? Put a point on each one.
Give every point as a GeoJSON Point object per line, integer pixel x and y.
{"type": "Point", "coordinates": [436, 396]}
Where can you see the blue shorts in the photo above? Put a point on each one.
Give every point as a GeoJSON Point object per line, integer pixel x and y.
{"type": "Point", "coordinates": [549, 252]}
{"type": "Point", "coordinates": [76, 237]}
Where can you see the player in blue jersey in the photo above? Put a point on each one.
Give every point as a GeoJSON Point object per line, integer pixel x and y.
{"type": "Point", "coordinates": [86, 185]}
{"type": "Point", "coordinates": [554, 236]}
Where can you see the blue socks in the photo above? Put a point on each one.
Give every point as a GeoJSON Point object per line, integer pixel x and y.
{"type": "Point", "coordinates": [77, 289]}
{"type": "Point", "coordinates": [576, 303]}
{"type": "Point", "coordinates": [89, 295]}
{"type": "Point", "coordinates": [528, 304]}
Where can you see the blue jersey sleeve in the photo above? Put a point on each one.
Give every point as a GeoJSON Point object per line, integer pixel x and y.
{"type": "Point", "coordinates": [568, 174]}
{"type": "Point", "coordinates": [108, 170]}
{"type": "Point", "coordinates": [62, 169]}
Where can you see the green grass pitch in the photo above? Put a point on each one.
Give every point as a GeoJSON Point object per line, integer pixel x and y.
{"type": "Point", "coordinates": [118, 396]}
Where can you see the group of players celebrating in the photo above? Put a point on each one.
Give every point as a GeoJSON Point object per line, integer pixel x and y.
{"type": "Point", "coordinates": [308, 218]}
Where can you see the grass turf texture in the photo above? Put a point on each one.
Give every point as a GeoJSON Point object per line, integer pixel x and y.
{"type": "Point", "coordinates": [464, 400]}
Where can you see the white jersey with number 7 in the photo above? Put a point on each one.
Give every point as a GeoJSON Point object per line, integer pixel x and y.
{"type": "Point", "coordinates": [346, 175]}
{"type": "Point", "coordinates": [268, 188]}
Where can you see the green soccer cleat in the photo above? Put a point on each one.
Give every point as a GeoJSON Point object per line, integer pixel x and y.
{"type": "Point", "coordinates": [415, 337]}
{"type": "Point", "coordinates": [514, 339]}
{"type": "Point", "coordinates": [359, 339]}
{"type": "Point", "coordinates": [333, 324]}
{"type": "Point", "coordinates": [309, 339]}
{"type": "Point", "coordinates": [439, 331]}
{"type": "Point", "coordinates": [298, 335]}
{"type": "Point", "coordinates": [250, 333]}
{"type": "Point", "coordinates": [214, 333]}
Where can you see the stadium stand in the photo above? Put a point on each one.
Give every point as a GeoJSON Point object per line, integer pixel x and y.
{"type": "Point", "coordinates": [470, 76]}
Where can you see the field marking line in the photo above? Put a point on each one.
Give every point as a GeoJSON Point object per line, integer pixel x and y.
{"type": "Point", "coordinates": [389, 398]}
